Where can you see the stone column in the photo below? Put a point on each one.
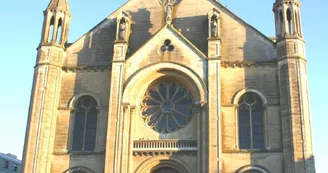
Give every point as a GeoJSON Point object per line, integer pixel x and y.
{"type": "Point", "coordinates": [214, 102]}
{"type": "Point", "coordinates": [113, 160]}
{"type": "Point", "coordinates": [294, 103]}
{"type": "Point", "coordinates": [43, 111]}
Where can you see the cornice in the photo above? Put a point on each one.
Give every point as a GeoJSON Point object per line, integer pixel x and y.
{"type": "Point", "coordinates": [244, 64]}
{"type": "Point", "coordinates": [87, 68]}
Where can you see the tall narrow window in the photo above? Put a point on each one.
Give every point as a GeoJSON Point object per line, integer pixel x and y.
{"type": "Point", "coordinates": [281, 22]}
{"type": "Point", "coordinates": [251, 122]}
{"type": "Point", "coordinates": [289, 21]}
{"type": "Point", "coordinates": [6, 164]}
{"type": "Point", "coordinates": [59, 32]}
{"type": "Point", "coordinates": [51, 29]}
{"type": "Point", "coordinates": [297, 24]}
{"type": "Point", "coordinates": [85, 124]}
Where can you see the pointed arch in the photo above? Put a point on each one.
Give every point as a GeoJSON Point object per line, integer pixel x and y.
{"type": "Point", "coordinates": [78, 169]}
{"type": "Point", "coordinates": [51, 29]}
{"type": "Point", "coordinates": [250, 168]}
{"type": "Point", "coordinates": [164, 161]}
{"type": "Point", "coordinates": [289, 21]}
{"type": "Point", "coordinates": [83, 122]}
{"type": "Point", "coordinates": [251, 120]}
{"type": "Point", "coordinates": [281, 22]}
{"type": "Point", "coordinates": [59, 31]}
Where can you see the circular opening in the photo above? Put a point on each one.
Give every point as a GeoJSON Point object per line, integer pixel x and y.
{"type": "Point", "coordinates": [167, 107]}
{"type": "Point", "coordinates": [167, 42]}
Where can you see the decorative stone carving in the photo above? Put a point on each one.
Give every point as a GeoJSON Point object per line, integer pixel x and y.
{"type": "Point", "coordinates": [214, 28]}
{"type": "Point", "coordinates": [214, 24]}
{"type": "Point", "coordinates": [168, 8]}
{"type": "Point", "coordinates": [123, 27]}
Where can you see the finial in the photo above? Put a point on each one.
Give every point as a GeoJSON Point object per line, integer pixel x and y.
{"type": "Point", "coordinates": [61, 5]}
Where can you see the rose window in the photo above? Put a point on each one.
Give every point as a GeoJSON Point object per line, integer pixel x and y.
{"type": "Point", "coordinates": [167, 107]}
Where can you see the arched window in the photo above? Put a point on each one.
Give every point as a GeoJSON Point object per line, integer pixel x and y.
{"type": "Point", "coordinates": [165, 170]}
{"type": "Point", "coordinates": [281, 22]}
{"type": "Point", "coordinates": [252, 171]}
{"type": "Point", "coordinates": [299, 24]}
{"type": "Point", "coordinates": [251, 122]}
{"type": "Point", "coordinates": [289, 21]}
{"type": "Point", "coordinates": [51, 29]}
{"type": "Point", "coordinates": [59, 31]}
{"type": "Point", "coordinates": [85, 124]}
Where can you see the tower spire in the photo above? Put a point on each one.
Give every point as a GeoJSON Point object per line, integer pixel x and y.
{"type": "Point", "coordinates": [287, 16]}
{"type": "Point", "coordinates": [294, 101]}
{"type": "Point", "coordinates": [57, 18]}
{"type": "Point", "coordinates": [59, 5]}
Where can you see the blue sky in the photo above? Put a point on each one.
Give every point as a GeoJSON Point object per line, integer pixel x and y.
{"type": "Point", "coordinates": [20, 32]}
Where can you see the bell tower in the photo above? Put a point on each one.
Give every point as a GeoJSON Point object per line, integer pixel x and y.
{"type": "Point", "coordinates": [57, 18]}
{"type": "Point", "coordinates": [294, 93]}
{"type": "Point", "coordinates": [38, 147]}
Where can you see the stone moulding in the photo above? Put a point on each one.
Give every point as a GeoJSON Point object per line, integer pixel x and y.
{"type": "Point", "coordinates": [243, 64]}
{"type": "Point", "coordinates": [252, 168]}
{"type": "Point", "coordinates": [87, 68]}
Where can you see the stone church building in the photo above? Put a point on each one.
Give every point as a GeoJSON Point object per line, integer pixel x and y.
{"type": "Point", "coordinates": [170, 86]}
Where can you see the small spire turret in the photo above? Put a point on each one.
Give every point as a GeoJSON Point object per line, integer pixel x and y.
{"type": "Point", "coordinates": [57, 18]}
{"type": "Point", "coordinates": [287, 18]}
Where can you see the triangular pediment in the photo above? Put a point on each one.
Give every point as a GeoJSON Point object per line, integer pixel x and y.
{"type": "Point", "coordinates": [168, 44]}
{"type": "Point", "coordinates": [239, 39]}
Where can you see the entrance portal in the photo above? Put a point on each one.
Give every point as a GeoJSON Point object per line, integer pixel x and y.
{"type": "Point", "coordinates": [165, 170]}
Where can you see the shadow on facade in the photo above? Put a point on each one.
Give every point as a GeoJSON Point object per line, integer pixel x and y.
{"type": "Point", "coordinates": [195, 29]}
{"type": "Point", "coordinates": [261, 75]}
{"type": "Point", "coordinates": [140, 27]}
{"type": "Point", "coordinates": [92, 76]}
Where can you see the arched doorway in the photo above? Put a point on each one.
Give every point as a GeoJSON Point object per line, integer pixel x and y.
{"type": "Point", "coordinates": [252, 171]}
{"type": "Point", "coordinates": [165, 170]}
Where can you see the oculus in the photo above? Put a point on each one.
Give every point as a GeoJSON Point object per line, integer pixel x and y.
{"type": "Point", "coordinates": [167, 107]}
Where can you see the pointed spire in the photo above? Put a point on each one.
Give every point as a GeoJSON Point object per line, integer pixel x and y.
{"type": "Point", "coordinates": [278, 1]}
{"type": "Point", "coordinates": [60, 5]}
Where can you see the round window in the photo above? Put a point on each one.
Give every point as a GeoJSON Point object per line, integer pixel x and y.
{"type": "Point", "coordinates": [167, 107]}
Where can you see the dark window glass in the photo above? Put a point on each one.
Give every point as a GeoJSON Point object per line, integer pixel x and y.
{"type": "Point", "coordinates": [289, 20]}
{"type": "Point", "coordinates": [15, 168]}
{"type": "Point", "coordinates": [251, 125]}
{"type": "Point", "coordinates": [91, 129]}
{"type": "Point", "coordinates": [167, 107]}
{"type": "Point", "coordinates": [85, 124]}
{"type": "Point", "coordinates": [78, 131]}
{"type": "Point", "coordinates": [6, 164]}
{"type": "Point", "coordinates": [165, 170]}
{"type": "Point", "coordinates": [244, 130]}
{"type": "Point", "coordinates": [252, 171]}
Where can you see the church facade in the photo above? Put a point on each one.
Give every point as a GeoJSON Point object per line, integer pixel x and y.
{"type": "Point", "coordinates": [170, 86]}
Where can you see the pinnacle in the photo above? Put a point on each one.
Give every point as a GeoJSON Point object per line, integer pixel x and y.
{"type": "Point", "coordinates": [59, 5]}
{"type": "Point", "coordinates": [277, 1]}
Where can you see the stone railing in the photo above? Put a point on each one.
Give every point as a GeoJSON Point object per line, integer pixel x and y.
{"type": "Point", "coordinates": [164, 145]}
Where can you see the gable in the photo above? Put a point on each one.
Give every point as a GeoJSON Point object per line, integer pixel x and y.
{"type": "Point", "coordinates": [240, 41]}
{"type": "Point", "coordinates": [183, 52]}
